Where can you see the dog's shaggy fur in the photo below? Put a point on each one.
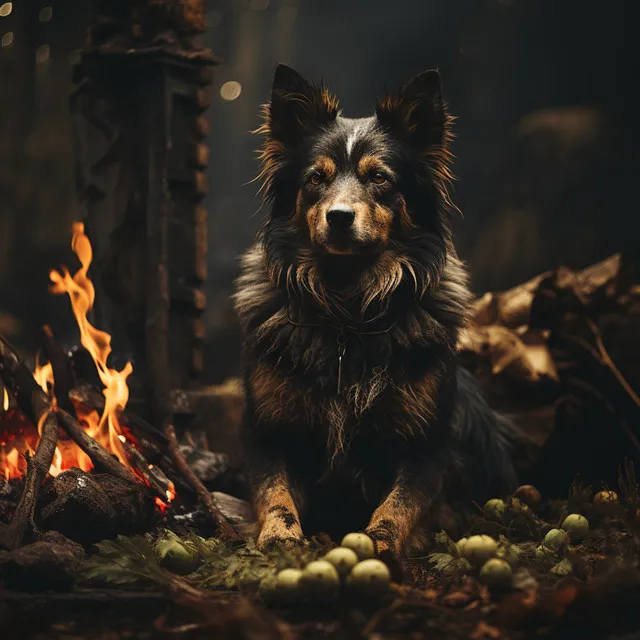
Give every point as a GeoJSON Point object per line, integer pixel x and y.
{"type": "Point", "coordinates": [358, 414]}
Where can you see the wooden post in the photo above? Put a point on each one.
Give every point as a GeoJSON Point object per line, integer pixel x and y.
{"type": "Point", "coordinates": [141, 89]}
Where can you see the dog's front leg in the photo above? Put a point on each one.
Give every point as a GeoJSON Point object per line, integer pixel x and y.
{"type": "Point", "coordinates": [277, 508]}
{"type": "Point", "coordinates": [398, 514]}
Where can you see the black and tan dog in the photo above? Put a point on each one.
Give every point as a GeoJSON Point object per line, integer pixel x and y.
{"type": "Point", "coordinates": [359, 416]}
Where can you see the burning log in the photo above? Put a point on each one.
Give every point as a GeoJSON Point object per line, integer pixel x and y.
{"type": "Point", "coordinates": [88, 508]}
{"type": "Point", "coordinates": [37, 406]}
{"type": "Point", "coordinates": [35, 403]}
{"type": "Point", "coordinates": [94, 399]}
{"type": "Point", "coordinates": [62, 373]}
{"type": "Point", "coordinates": [152, 450]}
{"type": "Point", "coordinates": [99, 456]}
{"type": "Point", "coordinates": [19, 380]}
{"type": "Point", "coordinates": [37, 467]}
{"type": "Point", "coordinates": [153, 476]}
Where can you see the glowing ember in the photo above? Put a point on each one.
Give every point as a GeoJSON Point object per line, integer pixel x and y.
{"type": "Point", "coordinates": [17, 437]}
{"type": "Point", "coordinates": [171, 494]}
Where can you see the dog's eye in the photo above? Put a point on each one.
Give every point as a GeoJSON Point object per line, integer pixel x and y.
{"type": "Point", "coordinates": [378, 177]}
{"type": "Point", "coordinates": [315, 178]}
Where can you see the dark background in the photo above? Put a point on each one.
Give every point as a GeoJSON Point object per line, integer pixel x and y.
{"type": "Point", "coordinates": [544, 92]}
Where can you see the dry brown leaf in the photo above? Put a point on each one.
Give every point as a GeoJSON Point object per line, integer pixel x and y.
{"type": "Point", "coordinates": [507, 352]}
{"type": "Point", "coordinates": [456, 598]}
{"type": "Point", "coordinates": [484, 630]}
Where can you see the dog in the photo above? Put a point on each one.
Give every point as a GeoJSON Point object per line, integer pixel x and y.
{"type": "Point", "coordinates": [359, 416]}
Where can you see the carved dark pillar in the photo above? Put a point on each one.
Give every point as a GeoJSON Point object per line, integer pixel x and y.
{"type": "Point", "coordinates": [141, 88]}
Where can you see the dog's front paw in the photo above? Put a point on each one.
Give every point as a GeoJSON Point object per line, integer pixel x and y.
{"type": "Point", "coordinates": [383, 539]}
{"type": "Point", "coordinates": [272, 543]}
{"type": "Point", "coordinates": [279, 531]}
{"type": "Point", "coordinates": [386, 551]}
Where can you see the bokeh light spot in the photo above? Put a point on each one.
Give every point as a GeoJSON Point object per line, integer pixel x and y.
{"type": "Point", "coordinates": [46, 13]}
{"type": "Point", "coordinates": [42, 53]}
{"type": "Point", "coordinates": [231, 90]}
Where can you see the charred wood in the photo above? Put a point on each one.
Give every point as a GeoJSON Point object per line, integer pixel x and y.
{"type": "Point", "coordinates": [19, 381]}
{"type": "Point", "coordinates": [153, 475]}
{"type": "Point", "coordinates": [22, 522]}
{"type": "Point", "coordinates": [50, 563]}
{"type": "Point", "coordinates": [88, 508]}
{"type": "Point", "coordinates": [62, 371]}
{"type": "Point", "coordinates": [225, 529]}
{"type": "Point", "coordinates": [151, 444]}
{"type": "Point", "coordinates": [36, 405]}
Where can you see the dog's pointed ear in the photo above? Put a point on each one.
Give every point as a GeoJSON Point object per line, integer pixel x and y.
{"type": "Point", "coordinates": [417, 113]}
{"type": "Point", "coordinates": [297, 107]}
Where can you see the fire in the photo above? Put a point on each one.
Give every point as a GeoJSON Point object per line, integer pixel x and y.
{"type": "Point", "coordinates": [13, 445]}
{"type": "Point", "coordinates": [81, 291]}
{"type": "Point", "coordinates": [10, 463]}
{"type": "Point", "coordinates": [5, 400]}
{"type": "Point", "coordinates": [19, 437]}
{"type": "Point", "coordinates": [171, 494]}
{"type": "Point", "coordinates": [44, 376]}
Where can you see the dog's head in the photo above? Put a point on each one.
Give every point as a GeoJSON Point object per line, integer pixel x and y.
{"type": "Point", "coordinates": [355, 185]}
{"type": "Point", "coordinates": [358, 207]}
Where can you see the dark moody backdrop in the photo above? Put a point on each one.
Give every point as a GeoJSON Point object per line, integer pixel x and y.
{"type": "Point", "coordinates": [544, 92]}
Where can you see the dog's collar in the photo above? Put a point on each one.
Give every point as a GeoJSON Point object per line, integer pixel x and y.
{"type": "Point", "coordinates": [341, 336]}
{"type": "Point", "coordinates": [341, 327]}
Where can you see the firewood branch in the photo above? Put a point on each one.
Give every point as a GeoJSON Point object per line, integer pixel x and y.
{"type": "Point", "coordinates": [37, 468]}
{"type": "Point", "coordinates": [62, 373]}
{"type": "Point", "coordinates": [99, 456]}
{"type": "Point", "coordinates": [204, 495]}
{"type": "Point", "coordinates": [19, 381]}
{"type": "Point", "coordinates": [36, 405]}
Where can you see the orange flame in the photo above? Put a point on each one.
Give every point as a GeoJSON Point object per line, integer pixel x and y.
{"type": "Point", "coordinates": [171, 494]}
{"type": "Point", "coordinates": [44, 376]}
{"type": "Point", "coordinates": [21, 438]}
{"type": "Point", "coordinates": [9, 462]}
{"type": "Point", "coordinates": [5, 400]}
{"type": "Point", "coordinates": [12, 463]}
{"type": "Point", "coordinates": [98, 343]}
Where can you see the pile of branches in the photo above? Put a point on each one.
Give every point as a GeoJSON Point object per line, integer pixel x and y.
{"type": "Point", "coordinates": [118, 498]}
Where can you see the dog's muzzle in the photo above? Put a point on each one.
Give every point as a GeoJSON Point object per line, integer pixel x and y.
{"type": "Point", "coordinates": [340, 218]}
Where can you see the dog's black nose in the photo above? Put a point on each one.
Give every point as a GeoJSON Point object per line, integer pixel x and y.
{"type": "Point", "coordinates": [341, 217]}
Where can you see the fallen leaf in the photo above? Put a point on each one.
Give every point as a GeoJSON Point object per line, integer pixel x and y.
{"type": "Point", "coordinates": [484, 630]}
